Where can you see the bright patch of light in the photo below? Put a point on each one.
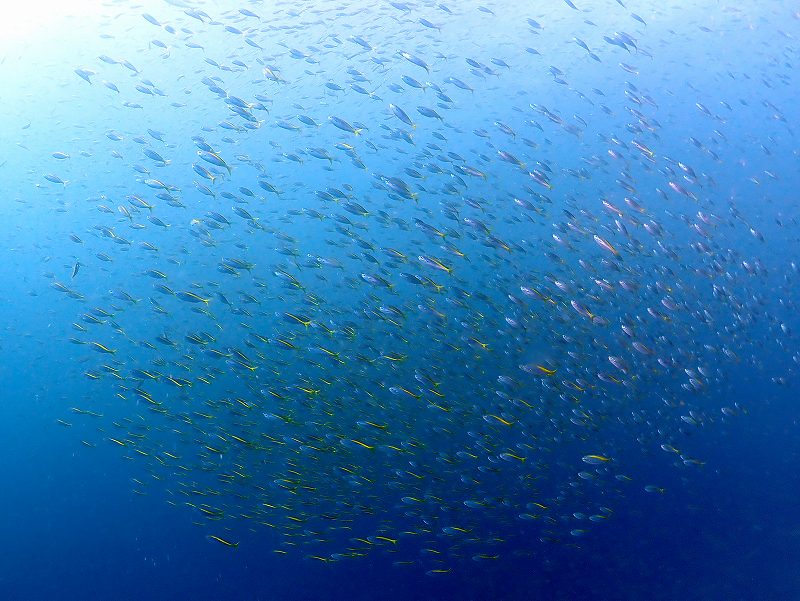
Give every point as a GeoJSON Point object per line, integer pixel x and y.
{"type": "Point", "coordinates": [24, 21]}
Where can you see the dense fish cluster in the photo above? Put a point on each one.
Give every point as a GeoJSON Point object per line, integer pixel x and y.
{"type": "Point", "coordinates": [372, 278]}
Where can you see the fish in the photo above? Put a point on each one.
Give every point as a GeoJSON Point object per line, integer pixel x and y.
{"type": "Point", "coordinates": [222, 541]}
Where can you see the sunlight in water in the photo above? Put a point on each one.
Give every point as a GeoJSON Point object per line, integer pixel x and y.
{"type": "Point", "coordinates": [36, 21]}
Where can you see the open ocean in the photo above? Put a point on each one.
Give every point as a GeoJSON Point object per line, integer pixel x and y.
{"type": "Point", "coordinates": [386, 300]}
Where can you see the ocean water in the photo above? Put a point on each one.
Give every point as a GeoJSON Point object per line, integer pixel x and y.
{"type": "Point", "coordinates": [399, 300]}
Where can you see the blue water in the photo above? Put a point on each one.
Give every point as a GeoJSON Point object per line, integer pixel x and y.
{"type": "Point", "coordinates": [420, 301]}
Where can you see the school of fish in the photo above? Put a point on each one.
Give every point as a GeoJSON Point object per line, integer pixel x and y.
{"type": "Point", "coordinates": [377, 279]}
